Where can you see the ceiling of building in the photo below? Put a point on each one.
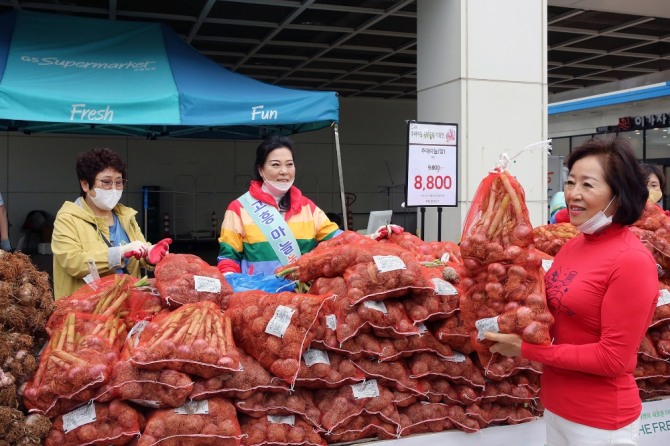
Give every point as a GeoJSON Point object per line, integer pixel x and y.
{"type": "Point", "coordinates": [368, 48]}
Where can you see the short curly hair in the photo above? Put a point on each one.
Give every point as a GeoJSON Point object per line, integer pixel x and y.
{"type": "Point", "coordinates": [90, 164]}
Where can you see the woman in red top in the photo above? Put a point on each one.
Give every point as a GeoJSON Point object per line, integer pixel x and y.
{"type": "Point", "coordinates": [601, 310]}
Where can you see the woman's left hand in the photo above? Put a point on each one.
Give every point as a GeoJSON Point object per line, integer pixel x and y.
{"type": "Point", "coordinates": [505, 344]}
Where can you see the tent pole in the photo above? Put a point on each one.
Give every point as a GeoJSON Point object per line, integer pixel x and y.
{"type": "Point", "coordinates": [339, 170]}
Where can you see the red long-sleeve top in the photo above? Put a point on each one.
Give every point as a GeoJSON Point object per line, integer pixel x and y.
{"type": "Point", "coordinates": [602, 290]}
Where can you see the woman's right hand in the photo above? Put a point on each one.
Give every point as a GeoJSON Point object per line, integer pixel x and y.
{"type": "Point", "coordinates": [135, 249]}
{"type": "Point", "coordinates": [505, 344]}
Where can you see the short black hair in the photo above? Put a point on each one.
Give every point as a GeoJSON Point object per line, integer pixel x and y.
{"type": "Point", "coordinates": [623, 174]}
{"type": "Point", "coordinates": [90, 164]}
{"type": "Point", "coordinates": [648, 169]}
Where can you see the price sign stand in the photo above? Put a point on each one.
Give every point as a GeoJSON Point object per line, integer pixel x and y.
{"type": "Point", "coordinates": [432, 168]}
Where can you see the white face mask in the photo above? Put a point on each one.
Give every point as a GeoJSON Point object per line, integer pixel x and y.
{"type": "Point", "coordinates": [106, 199]}
{"type": "Point", "coordinates": [277, 188]}
{"type": "Point", "coordinates": [597, 222]}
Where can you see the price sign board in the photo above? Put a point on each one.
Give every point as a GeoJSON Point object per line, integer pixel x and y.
{"type": "Point", "coordinates": [432, 164]}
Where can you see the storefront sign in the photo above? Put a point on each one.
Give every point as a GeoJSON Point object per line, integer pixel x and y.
{"type": "Point", "coordinates": [628, 123]}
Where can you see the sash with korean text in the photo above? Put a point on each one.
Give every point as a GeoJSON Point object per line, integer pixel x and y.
{"type": "Point", "coordinates": [274, 227]}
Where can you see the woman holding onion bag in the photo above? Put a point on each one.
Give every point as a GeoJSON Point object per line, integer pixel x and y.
{"type": "Point", "coordinates": [273, 223]}
{"type": "Point", "coordinates": [602, 290]}
{"type": "Point", "coordinates": [96, 234]}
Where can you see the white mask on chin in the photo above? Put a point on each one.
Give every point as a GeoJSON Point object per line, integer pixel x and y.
{"type": "Point", "coordinates": [277, 188]}
{"type": "Point", "coordinates": [106, 199]}
{"type": "Point", "coordinates": [597, 222]}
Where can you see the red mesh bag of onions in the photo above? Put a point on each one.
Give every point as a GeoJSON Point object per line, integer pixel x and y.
{"type": "Point", "coordinates": [381, 275]}
{"type": "Point", "coordinates": [78, 359]}
{"type": "Point", "coordinates": [339, 406]}
{"type": "Point", "coordinates": [157, 389]}
{"type": "Point", "coordinates": [186, 278]}
{"type": "Point", "coordinates": [442, 299]}
{"type": "Point", "coordinates": [279, 430]}
{"type": "Point", "coordinates": [242, 384]}
{"type": "Point", "coordinates": [329, 259]}
{"type": "Point", "coordinates": [363, 426]}
{"type": "Point", "coordinates": [459, 368]}
{"type": "Point", "coordinates": [394, 375]}
{"type": "Point", "coordinates": [195, 338]}
{"type": "Point", "coordinates": [300, 402]}
{"type": "Point", "coordinates": [145, 302]}
{"type": "Point", "coordinates": [491, 413]}
{"type": "Point", "coordinates": [453, 332]}
{"type": "Point", "coordinates": [198, 423]}
{"type": "Point", "coordinates": [321, 369]}
{"type": "Point", "coordinates": [373, 313]}
{"type": "Point", "coordinates": [551, 238]}
{"type": "Point", "coordinates": [505, 283]}
{"type": "Point", "coordinates": [275, 329]}
{"type": "Point", "coordinates": [107, 296]}
{"type": "Point", "coordinates": [370, 270]}
{"type": "Point", "coordinates": [424, 417]}
{"type": "Point", "coordinates": [95, 423]}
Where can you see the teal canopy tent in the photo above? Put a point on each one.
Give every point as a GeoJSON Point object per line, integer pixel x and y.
{"type": "Point", "coordinates": [72, 74]}
{"type": "Point", "coordinates": [68, 74]}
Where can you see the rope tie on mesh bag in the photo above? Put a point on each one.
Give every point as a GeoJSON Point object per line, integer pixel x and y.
{"type": "Point", "coordinates": [503, 163]}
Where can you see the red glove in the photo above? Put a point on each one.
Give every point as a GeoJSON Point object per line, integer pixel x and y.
{"type": "Point", "coordinates": [158, 251]}
{"type": "Point", "coordinates": [386, 231]}
{"type": "Point", "coordinates": [135, 249]}
{"type": "Point", "coordinates": [226, 266]}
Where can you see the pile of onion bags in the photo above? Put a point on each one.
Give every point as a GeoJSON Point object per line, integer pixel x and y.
{"type": "Point", "coordinates": [198, 423]}
{"type": "Point", "coordinates": [186, 278]}
{"type": "Point", "coordinates": [195, 338]}
{"type": "Point", "coordinates": [106, 296]}
{"type": "Point", "coordinates": [115, 423]}
{"type": "Point", "coordinates": [77, 361]}
{"type": "Point", "coordinates": [505, 283]}
{"type": "Point", "coordinates": [157, 389]}
{"type": "Point", "coordinates": [279, 430]}
{"type": "Point", "coordinates": [371, 270]}
{"type": "Point", "coordinates": [275, 329]}
{"type": "Point", "coordinates": [551, 238]}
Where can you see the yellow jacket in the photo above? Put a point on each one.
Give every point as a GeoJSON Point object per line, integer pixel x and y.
{"type": "Point", "coordinates": [76, 240]}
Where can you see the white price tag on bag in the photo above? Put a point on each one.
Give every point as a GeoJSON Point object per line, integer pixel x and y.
{"type": "Point", "coordinates": [136, 331]}
{"type": "Point", "coordinates": [313, 356]}
{"type": "Point", "coordinates": [331, 322]}
{"type": "Point", "coordinates": [456, 357]}
{"type": "Point", "coordinates": [280, 321]}
{"type": "Point", "coordinates": [444, 288]}
{"type": "Point", "coordinates": [366, 389]}
{"type": "Point", "coordinates": [205, 284]}
{"type": "Point", "coordinates": [375, 305]}
{"type": "Point", "coordinates": [488, 324]}
{"type": "Point", "coordinates": [79, 417]}
{"type": "Point", "coordinates": [282, 419]}
{"type": "Point", "coordinates": [193, 408]}
{"type": "Point", "coordinates": [663, 297]}
{"type": "Point", "coordinates": [388, 263]}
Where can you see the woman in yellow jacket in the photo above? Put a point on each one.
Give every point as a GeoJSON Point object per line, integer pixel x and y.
{"type": "Point", "coordinates": [95, 234]}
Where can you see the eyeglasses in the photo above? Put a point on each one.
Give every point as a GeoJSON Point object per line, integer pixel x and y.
{"type": "Point", "coordinates": [108, 184]}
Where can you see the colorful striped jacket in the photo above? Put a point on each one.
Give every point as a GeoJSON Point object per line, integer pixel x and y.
{"type": "Point", "coordinates": [242, 245]}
